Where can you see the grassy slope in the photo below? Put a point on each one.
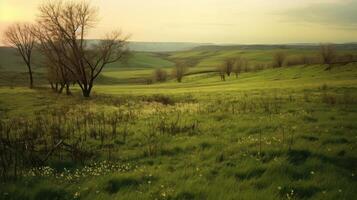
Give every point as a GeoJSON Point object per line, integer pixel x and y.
{"type": "Point", "coordinates": [222, 161]}
{"type": "Point", "coordinates": [299, 77]}
{"type": "Point", "coordinates": [140, 65]}
{"type": "Point", "coordinates": [139, 60]}
{"type": "Point", "coordinates": [197, 60]}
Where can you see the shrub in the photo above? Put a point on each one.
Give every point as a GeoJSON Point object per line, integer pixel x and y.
{"type": "Point", "coordinates": [295, 60]}
{"type": "Point", "coordinates": [279, 59]}
{"type": "Point", "coordinates": [302, 60]}
{"type": "Point", "coordinates": [345, 58]}
{"type": "Point", "coordinates": [159, 75]}
{"type": "Point", "coordinates": [310, 60]}
{"type": "Point", "coordinates": [327, 53]}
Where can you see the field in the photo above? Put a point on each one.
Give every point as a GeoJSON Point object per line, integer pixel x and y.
{"type": "Point", "coordinates": [276, 133]}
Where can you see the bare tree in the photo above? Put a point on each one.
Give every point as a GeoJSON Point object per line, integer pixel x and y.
{"type": "Point", "coordinates": [59, 77]}
{"type": "Point", "coordinates": [328, 54]}
{"type": "Point", "coordinates": [64, 26]}
{"type": "Point", "coordinates": [222, 72]}
{"type": "Point", "coordinates": [53, 49]}
{"type": "Point", "coordinates": [239, 65]}
{"type": "Point", "coordinates": [20, 37]}
{"type": "Point", "coordinates": [279, 59]}
{"type": "Point", "coordinates": [228, 66]}
{"type": "Point", "coordinates": [179, 71]}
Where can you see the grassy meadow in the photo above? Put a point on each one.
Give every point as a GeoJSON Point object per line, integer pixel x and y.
{"type": "Point", "coordinates": [273, 133]}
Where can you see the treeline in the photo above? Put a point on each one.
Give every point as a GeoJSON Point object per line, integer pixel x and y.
{"type": "Point", "coordinates": [60, 35]}
{"type": "Point", "coordinates": [327, 55]}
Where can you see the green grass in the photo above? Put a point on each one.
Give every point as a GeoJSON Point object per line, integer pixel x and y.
{"type": "Point", "coordinates": [287, 133]}
{"type": "Point", "coordinates": [143, 60]}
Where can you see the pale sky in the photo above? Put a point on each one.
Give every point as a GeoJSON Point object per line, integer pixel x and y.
{"type": "Point", "coordinates": [214, 21]}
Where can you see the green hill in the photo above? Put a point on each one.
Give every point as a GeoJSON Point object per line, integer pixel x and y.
{"type": "Point", "coordinates": [267, 134]}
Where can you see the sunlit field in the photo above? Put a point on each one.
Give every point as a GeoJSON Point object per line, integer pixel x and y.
{"type": "Point", "coordinates": [250, 100]}
{"type": "Point", "coordinates": [284, 133]}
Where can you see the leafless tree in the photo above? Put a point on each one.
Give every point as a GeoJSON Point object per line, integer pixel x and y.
{"type": "Point", "coordinates": [53, 49]}
{"type": "Point", "coordinates": [328, 54]}
{"type": "Point", "coordinates": [20, 37]}
{"type": "Point", "coordinates": [222, 72]}
{"type": "Point", "coordinates": [179, 71]}
{"type": "Point", "coordinates": [279, 58]}
{"type": "Point", "coordinates": [228, 66]}
{"type": "Point", "coordinates": [59, 77]}
{"type": "Point", "coordinates": [64, 26]}
{"type": "Point", "coordinates": [239, 65]}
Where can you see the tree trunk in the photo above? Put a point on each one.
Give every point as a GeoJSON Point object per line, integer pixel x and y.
{"type": "Point", "coordinates": [68, 91]}
{"type": "Point", "coordinates": [61, 89]}
{"type": "Point", "coordinates": [86, 92]}
{"type": "Point", "coordinates": [52, 86]}
{"type": "Point", "coordinates": [30, 74]}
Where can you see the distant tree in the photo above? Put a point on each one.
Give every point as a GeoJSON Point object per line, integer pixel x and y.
{"type": "Point", "coordinates": [240, 64]}
{"type": "Point", "coordinates": [328, 54]}
{"type": "Point", "coordinates": [279, 59]}
{"type": "Point", "coordinates": [20, 37]}
{"type": "Point", "coordinates": [222, 72]}
{"type": "Point", "coordinates": [159, 75]}
{"type": "Point", "coordinates": [259, 66]}
{"type": "Point", "coordinates": [228, 66]}
{"type": "Point", "coordinates": [179, 71]}
{"type": "Point", "coordinates": [63, 26]}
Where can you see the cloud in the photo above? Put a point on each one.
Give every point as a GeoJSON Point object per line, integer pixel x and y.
{"type": "Point", "coordinates": [338, 15]}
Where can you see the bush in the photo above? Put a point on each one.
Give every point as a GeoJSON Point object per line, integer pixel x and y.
{"type": "Point", "coordinates": [279, 59]}
{"type": "Point", "coordinates": [327, 53]}
{"type": "Point", "coordinates": [159, 75]}
{"type": "Point", "coordinates": [294, 60]}
{"type": "Point", "coordinates": [310, 60]}
{"type": "Point", "coordinates": [345, 58]}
